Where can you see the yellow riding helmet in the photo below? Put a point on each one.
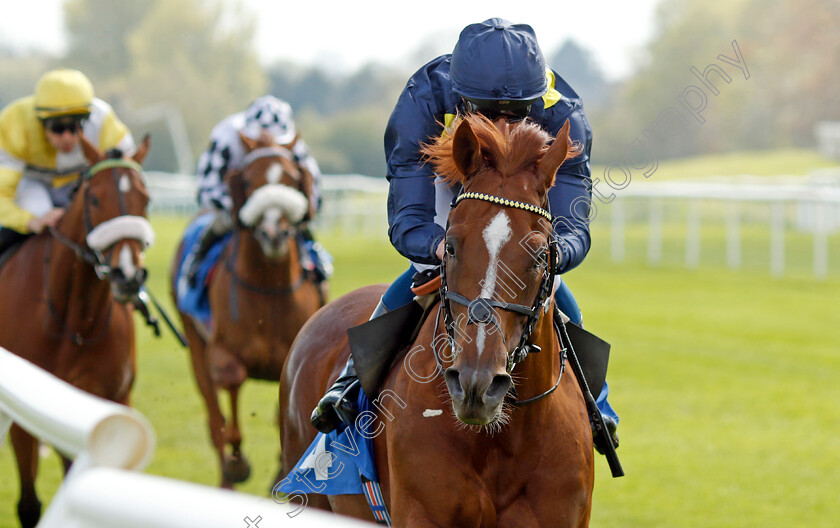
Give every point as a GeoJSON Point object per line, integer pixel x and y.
{"type": "Point", "coordinates": [63, 92]}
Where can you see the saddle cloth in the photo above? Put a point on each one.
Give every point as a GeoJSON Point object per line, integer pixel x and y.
{"type": "Point", "coordinates": [194, 301]}
{"type": "Point", "coordinates": [337, 463]}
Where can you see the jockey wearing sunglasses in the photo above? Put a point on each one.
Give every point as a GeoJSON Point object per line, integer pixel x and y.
{"type": "Point", "coordinates": [496, 69]}
{"type": "Point", "coordinates": [41, 154]}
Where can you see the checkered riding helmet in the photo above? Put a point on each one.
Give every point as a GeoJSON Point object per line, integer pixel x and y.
{"type": "Point", "coordinates": [272, 115]}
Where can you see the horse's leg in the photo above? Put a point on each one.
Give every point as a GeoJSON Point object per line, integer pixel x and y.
{"type": "Point", "coordinates": [26, 452]}
{"type": "Point", "coordinates": [201, 371]}
{"type": "Point", "coordinates": [226, 372]}
{"type": "Point", "coordinates": [235, 468]}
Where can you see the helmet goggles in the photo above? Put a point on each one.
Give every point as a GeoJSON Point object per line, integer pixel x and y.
{"type": "Point", "coordinates": [61, 124]}
{"type": "Point", "coordinates": [512, 111]}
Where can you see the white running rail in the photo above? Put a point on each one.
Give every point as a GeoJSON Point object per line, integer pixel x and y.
{"type": "Point", "coordinates": [109, 443]}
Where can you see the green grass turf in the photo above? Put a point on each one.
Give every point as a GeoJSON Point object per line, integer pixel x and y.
{"type": "Point", "coordinates": [726, 383]}
{"type": "Point", "coordinates": [791, 162]}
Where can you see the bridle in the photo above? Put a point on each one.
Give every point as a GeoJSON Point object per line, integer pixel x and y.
{"type": "Point", "coordinates": [483, 310]}
{"type": "Point", "coordinates": [273, 151]}
{"type": "Point", "coordinates": [99, 238]}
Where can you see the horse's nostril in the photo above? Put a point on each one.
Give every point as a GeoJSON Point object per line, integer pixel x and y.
{"type": "Point", "coordinates": [497, 390]}
{"type": "Point", "coordinates": [453, 383]}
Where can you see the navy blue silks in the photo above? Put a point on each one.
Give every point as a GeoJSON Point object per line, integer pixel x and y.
{"type": "Point", "coordinates": [417, 118]}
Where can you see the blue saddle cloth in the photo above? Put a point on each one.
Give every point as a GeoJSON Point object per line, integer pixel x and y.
{"type": "Point", "coordinates": [194, 301]}
{"type": "Point", "coordinates": [337, 463]}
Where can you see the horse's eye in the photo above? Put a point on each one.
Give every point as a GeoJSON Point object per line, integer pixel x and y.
{"type": "Point", "coordinates": [94, 201]}
{"type": "Point", "coordinates": [450, 249]}
{"type": "Point", "coordinates": [541, 261]}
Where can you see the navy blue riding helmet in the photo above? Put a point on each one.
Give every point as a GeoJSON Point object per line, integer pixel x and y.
{"type": "Point", "coordinates": [485, 86]}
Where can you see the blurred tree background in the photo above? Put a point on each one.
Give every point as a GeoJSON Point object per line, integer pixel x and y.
{"type": "Point", "coordinates": [176, 67]}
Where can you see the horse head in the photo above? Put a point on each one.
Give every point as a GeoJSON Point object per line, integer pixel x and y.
{"type": "Point", "coordinates": [112, 201]}
{"type": "Point", "coordinates": [498, 264]}
{"type": "Point", "coordinates": [270, 194]}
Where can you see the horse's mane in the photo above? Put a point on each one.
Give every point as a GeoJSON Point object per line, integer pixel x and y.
{"type": "Point", "coordinates": [508, 150]}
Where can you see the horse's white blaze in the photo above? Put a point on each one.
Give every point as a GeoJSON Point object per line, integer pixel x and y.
{"type": "Point", "coordinates": [496, 235]}
{"type": "Point", "coordinates": [270, 220]}
{"type": "Point", "coordinates": [127, 263]}
{"type": "Point", "coordinates": [125, 183]}
{"type": "Point", "coordinates": [274, 173]}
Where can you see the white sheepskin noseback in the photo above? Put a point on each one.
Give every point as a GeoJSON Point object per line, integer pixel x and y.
{"type": "Point", "coordinates": [112, 231]}
{"type": "Point", "coordinates": [274, 195]}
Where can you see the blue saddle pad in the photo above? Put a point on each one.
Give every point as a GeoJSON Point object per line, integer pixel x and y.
{"type": "Point", "coordinates": [336, 463]}
{"type": "Point", "coordinates": [194, 301]}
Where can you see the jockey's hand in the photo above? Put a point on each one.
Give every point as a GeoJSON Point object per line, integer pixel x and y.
{"type": "Point", "coordinates": [37, 225]}
{"type": "Point", "coordinates": [440, 249]}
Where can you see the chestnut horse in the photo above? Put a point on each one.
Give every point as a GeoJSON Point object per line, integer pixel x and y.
{"type": "Point", "coordinates": [65, 295]}
{"type": "Point", "coordinates": [260, 295]}
{"type": "Point", "coordinates": [498, 440]}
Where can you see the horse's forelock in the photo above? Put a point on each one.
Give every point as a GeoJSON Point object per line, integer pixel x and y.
{"type": "Point", "coordinates": [509, 150]}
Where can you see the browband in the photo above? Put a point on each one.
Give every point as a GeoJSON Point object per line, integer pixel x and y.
{"type": "Point", "coordinates": [504, 201]}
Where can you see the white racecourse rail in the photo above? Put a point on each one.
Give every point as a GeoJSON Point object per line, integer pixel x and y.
{"type": "Point", "coordinates": [108, 442]}
{"type": "Point", "coordinates": [815, 209]}
{"type": "Point", "coordinates": [356, 205]}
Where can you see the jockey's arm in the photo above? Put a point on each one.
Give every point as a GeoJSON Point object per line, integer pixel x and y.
{"type": "Point", "coordinates": [570, 197]}
{"type": "Point", "coordinates": [307, 161]}
{"type": "Point", "coordinates": [112, 132]}
{"type": "Point", "coordinates": [212, 166]}
{"type": "Point", "coordinates": [11, 214]}
{"type": "Point", "coordinates": [411, 196]}
{"type": "Point", "coordinates": [12, 154]}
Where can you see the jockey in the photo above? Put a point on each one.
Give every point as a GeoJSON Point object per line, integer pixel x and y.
{"type": "Point", "coordinates": [41, 154]}
{"type": "Point", "coordinates": [496, 69]}
{"type": "Point", "coordinates": [226, 152]}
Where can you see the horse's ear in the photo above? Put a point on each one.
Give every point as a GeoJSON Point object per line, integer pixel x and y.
{"type": "Point", "coordinates": [142, 150]}
{"type": "Point", "coordinates": [466, 150]}
{"type": "Point", "coordinates": [248, 143]}
{"type": "Point", "coordinates": [91, 153]}
{"type": "Point", "coordinates": [557, 153]}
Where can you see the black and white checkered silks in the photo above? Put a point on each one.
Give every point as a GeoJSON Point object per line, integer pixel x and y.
{"type": "Point", "coordinates": [226, 151]}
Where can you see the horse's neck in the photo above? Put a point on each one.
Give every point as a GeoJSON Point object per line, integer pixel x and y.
{"type": "Point", "coordinates": [72, 284]}
{"type": "Point", "coordinates": [251, 265]}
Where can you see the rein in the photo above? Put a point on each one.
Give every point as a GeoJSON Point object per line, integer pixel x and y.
{"type": "Point", "coordinates": [483, 310]}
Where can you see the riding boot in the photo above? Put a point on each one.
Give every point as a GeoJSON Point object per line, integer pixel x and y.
{"type": "Point", "coordinates": [10, 238]}
{"type": "Point", "coordinates": [612, 429]}
{"type": "Point", "coordinates": [209, 237]}
{"type": "Point", "coordinates": [338, 405]}
{"type": "Point", "coordinates": [317, 258]}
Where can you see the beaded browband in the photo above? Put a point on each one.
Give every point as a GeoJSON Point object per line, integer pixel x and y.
{"type": "Point", "coordinates": [504, 201]}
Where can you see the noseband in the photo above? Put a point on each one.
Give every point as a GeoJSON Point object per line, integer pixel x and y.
{"type": "Point", "coordinates": [483, 310]}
